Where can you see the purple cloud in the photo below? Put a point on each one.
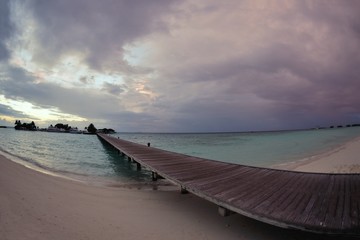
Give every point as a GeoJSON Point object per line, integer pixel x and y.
{"type": "Point", "coordinates": [204, 66]}
{"type": "Point", "coordinates": [5, 28]}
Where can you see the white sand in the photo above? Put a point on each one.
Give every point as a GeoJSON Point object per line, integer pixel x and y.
{"type": "Point", "coordinates": [34, 205]}
{"type": "Point", "coordinates": [343, 159]}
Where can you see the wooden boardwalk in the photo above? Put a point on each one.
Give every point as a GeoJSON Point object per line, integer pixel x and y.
{"type": "Point", "coordinates": [322, 203]}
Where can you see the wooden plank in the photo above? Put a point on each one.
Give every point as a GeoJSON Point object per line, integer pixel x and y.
{"type": "Point", "coordinates": [316, 215]}
{"type": "Point", "coordinates": [249, 191]}
{"type": "Point", "coordinates": [279, 195]}
{"type": "Point", "coordinates": [241, 177]}
{"type": "Point", "coordinates": [346, 219]}
{"type": "Point", "coordinates": [205, 176]}
{"type": "Point", "coordinates": [289, 204]}
{"type": "Point", "coordinates": [310, 187]}
{"type": "Point", "coordinates": [264, 201]}
{"type": "Point", "coordinates": [325, 203]}
{"type": "Point", "coordinates": [299, 214]}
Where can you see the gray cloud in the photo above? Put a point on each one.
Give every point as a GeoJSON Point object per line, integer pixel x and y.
{"type": "Point", "coordinates": [91, 104]}
{"type": "Point", "coordinates": [96, 29]}
{"type": "Point", "coordinates": [8, 111]}
{"type": "Point", "coordinates": [22, 86]}
{"type": "Point", "coordinates": [86, 79]}
{"type": "Point", "coordinates": [114, 89]}
{"type": "Point", "coordinates": [5, 28]}
{"type": "Point", "coordinates": [224, 66]}
{"type": "Point", "coordinates": [304, 71]}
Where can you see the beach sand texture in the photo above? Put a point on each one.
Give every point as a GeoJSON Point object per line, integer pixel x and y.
{"type": "Point", "coordinates": [344, 159]}
{"type": "Point", "coordinates": [34, 205]}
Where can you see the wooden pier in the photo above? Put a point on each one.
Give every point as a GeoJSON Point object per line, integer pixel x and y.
{"type": "Point", "coordinates": [314, 202]}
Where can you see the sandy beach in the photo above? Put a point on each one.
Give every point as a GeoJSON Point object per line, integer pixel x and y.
{"type": "Point", "coordinates": [343, 159]}
{"type": "Point", "coordinates": [35, 205]}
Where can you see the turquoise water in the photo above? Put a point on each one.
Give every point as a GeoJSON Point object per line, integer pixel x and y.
{"type": "Point", "coordinates": [263, 149]}
{"type": "Point", "coordinates": [85, 155]}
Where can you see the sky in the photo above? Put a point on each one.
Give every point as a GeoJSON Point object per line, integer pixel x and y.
{"type": "Point", "coordinates": [180, 65]}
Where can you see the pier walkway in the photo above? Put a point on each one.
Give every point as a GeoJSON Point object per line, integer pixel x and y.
{"type": "Point", "coordinates": [314, 202]}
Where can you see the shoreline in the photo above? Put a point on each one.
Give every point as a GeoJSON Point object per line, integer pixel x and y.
{"type": "Point", "coordinates": [34, 205]}
{"type": "Point", "coordinates": [99, 181]}
{"type": "Point", "coordinates": [342, 159]}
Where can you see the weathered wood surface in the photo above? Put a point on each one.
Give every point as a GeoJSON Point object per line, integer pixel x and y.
{"type": "Point", "coordinates": [324, 203]}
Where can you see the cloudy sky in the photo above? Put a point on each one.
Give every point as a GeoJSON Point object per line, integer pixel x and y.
{"type": "Point", "coordinates": [180, 65]}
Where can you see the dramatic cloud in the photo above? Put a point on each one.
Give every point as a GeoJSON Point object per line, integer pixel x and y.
{"type": "Point", "coordinates": [293, 65]}
{"type": "Point", "coordinates": [7, 111]}
{"type": "Point", "coordinates": [95, 30]}
{"type": "Point", "coordinates": [5, 28]}
{"type": "Point", "coordinates": [183, 65]}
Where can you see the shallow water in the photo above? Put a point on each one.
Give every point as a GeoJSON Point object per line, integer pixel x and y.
{"type": "Point", "coordinates": [85, 155]}
{"type": "Point", "coordinates": [263, 149]}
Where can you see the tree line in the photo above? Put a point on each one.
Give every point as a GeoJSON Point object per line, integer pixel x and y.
{"type": "Point", "coordinates": [32, 127]}
{"type": "Point", "coordinates": [25, 126]}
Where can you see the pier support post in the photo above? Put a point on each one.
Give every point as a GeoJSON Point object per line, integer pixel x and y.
{"type": "Point", "coordinates": [183, 190]}
{"type": "Point", "coordinates": [224, 212]}
{"type": "Point", "coordinates": [138, 166]}
{"type": "Point", "coordinates": [154, 176]}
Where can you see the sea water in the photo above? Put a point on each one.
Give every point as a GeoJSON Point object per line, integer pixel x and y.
{"type": "Point", "coordinates": [86, 156]}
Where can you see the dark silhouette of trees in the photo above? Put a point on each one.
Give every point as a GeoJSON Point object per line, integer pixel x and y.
{"type": "Point", "coordinates": [25, 126]}
{"type": "Point", "coordinates": [91, 128]}
{"type": "Point", "coordinates": [106, 130]}
{"type": "Point", "coordinates": [62, 126]}
{"type": "Point", "coordinates": [17, 124]}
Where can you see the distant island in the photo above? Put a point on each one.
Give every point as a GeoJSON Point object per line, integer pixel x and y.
{"type": "Point", "coordinates": [62, 128]}
{"type": "Point", "coordinates": [91, 129]}
{"type": "Point", "coordinates": [25, 126]}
